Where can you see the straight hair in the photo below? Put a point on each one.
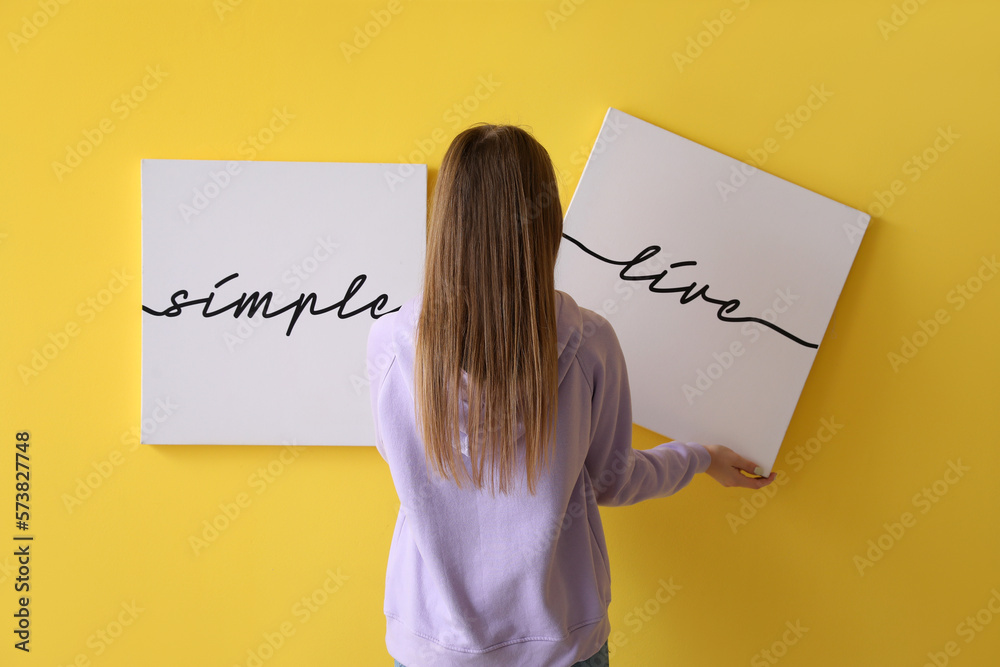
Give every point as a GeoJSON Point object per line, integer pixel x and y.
{"type": "Point", "coordinates": [488, 309]}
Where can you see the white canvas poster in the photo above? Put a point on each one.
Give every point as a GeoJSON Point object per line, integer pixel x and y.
{"type": "Point", "coordinates": [260, 281]}
{"type": "Point", "coordinates": [720, 280]}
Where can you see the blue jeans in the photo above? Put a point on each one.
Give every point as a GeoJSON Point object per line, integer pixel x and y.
{"type": "Point", "coordinates": [599, 659]}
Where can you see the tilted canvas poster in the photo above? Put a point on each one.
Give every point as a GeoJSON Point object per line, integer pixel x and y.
{"type": "Point", "coordinates": [719, 278]}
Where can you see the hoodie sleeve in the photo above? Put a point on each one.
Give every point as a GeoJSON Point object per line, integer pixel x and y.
{"type": "Point", "coordinates": [620, 474]}
{"type": "Point", "coordinates": [377, 362]}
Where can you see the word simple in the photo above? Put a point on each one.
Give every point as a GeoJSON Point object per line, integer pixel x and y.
{"type": "Point", "coordinates": [251, 303]}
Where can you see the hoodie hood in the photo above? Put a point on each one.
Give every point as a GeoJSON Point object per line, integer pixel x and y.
{"type": "Point", "coordinates": [569, 321]}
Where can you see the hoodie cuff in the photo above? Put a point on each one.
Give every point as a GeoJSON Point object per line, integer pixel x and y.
{"type": "Point", "coordinates": [702, 455]}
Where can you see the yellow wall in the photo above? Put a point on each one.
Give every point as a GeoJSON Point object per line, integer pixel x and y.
{"type": "Point", "coordinates": [691, 582]}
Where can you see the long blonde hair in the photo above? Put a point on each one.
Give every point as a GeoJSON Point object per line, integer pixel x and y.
{"type": "Point", "coordinates": [489, 308]}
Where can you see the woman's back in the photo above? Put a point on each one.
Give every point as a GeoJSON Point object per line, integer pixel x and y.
{"type": "Point", "coordinates": [476, 578]}
{"type": "Point", "coordinates": [504, 413]}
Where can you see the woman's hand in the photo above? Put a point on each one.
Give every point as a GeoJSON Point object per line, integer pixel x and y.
{"type": "Point", "coordinates": [726, 465]}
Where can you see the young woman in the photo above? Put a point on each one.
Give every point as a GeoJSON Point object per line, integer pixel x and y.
{"type": "Point", "coordinates": [503, 411]}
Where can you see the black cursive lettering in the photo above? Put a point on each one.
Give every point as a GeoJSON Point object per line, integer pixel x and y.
{"type": "Point", "coordinates": [687, 292]}
{"type": "Point", "coordinates": [254, 302]}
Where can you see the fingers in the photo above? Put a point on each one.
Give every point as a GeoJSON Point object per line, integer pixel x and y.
{"type": "Point", "coordinates": [731, 469]}
{"type": "Point", "coordinates": [749, 466]}
{"type": "Point", "coordinates": [763, 481]}
{"type": "Point", "coordinates": [753, 482]}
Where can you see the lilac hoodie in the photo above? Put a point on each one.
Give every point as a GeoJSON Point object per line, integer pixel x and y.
{"type": "Point", "coordinates": [514, 579]}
